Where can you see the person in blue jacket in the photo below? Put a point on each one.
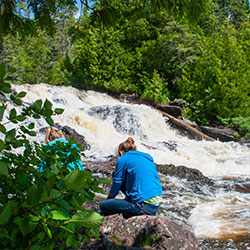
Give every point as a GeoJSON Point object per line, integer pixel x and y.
{"type": "Point", "coordinates": [53, 137]}
{"type": "Point", "coordinates": [136, 176]}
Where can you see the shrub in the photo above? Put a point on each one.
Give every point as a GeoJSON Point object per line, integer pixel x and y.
{"type": "Point", "coordinates": [39, 210]}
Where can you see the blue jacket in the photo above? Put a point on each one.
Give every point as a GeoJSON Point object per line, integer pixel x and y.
{"type": "Point", "coordinates": [72, 165]}
{"type": "Point", "coordinates": [136, 172]}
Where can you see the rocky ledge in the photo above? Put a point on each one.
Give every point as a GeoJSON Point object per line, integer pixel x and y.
{"type": "Point", "coordinates": [142, 232]}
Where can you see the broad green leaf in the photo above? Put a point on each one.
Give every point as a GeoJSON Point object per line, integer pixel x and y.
{"type": "Point", "coordinates": [10, 135]}
{"type": "Point", "coordinates": [5, 213]}
{"type": "Point", "coordinates": [87, 218]}
{"type": "Point", "coordinates": [64, 204]}
{"type": "Point", "coordinates": [32, 133]}
{"type": "Point", "coordinates": [2, 129]}
{"type": "Point", "coordinates": [69, 241]}
{"type": "Point", "coordinates": [47, 230]}
{"type": "Point", "coordinates": [4, 168]}
{"type": "Point", "coordinates": [6, 88]}
{"type": "Point", "coordinates": [75, 180]}
{"type": "Point", "coordinates": [47, 104]}
{"type": "Point", "coordinates": [20, 118]}
{"type": "Point", "coordinates": [47, 112]}
{"type": "Point", "coordinates": [59, 111]}
{"type": "Point", "coordinates": [18, 102]}
{"type": "Point", "coordinates": [2, 145]}
{"type": "Point", "coordinates": [50, 121]}
{"type": "Point", "coordinates": [38, 104]}
{"type": "Point", "coordinates": [2, 109]}
{"type": "Point", "coordinates": [33, 195]}
{"type": "Point", "coordinates": [31, 125]}
{"type": "Point", "coordinates": [50, 196]}
{"type": "Point", "coordinates": [21, 94]}
{"type": "Point", "coordinates": [12, 114]}
{"type": "Point", "coordinates": [45, 212]}
{"type": "Point", "coordinates": [27, 223]}
{"type": "Point", "coordinates": [36, 116]}
{"type": "Point", "coordinates": [58, 215]}
{"type": "Point", "coordinates": [25, 130]}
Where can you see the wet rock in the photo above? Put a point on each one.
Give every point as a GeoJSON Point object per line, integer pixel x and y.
{"type": "Point", "coordinates": [173, 110]}
{"type": "Point", "coordinates": [142, 232]}
{"type": "Point", "coordinates": [183, 172]}
{"type": "Point", "coordinates": [242, 188]}
{"type": "Point", "coordinates": [122, 117]}
{"type": "Point", "coordinates": [106, 168]}
{"type": "Point", "coordinates": [222, 134]}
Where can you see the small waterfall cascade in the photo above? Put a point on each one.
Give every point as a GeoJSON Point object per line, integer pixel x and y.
{"type": "Point", "coordinates": [105, 122]}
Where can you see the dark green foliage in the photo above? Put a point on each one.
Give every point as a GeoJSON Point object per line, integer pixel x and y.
{"type": "Point", "coordinates": [40, 210]}
{"type": "Point", "coordinates": [217, 83]}
{"type": "Point", "coordinates": [242, 126]}
{"type": "Point", "coordinates": [159, 50]}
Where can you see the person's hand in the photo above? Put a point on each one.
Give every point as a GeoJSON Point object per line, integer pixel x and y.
{"type": "Point", "coordinates": [110, 196]}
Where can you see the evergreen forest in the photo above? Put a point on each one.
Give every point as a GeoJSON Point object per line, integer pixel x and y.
{"type": "Point", "coordinates": [196, 51]}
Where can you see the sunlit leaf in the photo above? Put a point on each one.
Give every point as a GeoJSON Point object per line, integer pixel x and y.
{"type": "Point", "coordinates": [58, 111]}
{"type": "Point", "coordinates": [58, 215]}
{"type": "Point", "coordinates": [87, 218]}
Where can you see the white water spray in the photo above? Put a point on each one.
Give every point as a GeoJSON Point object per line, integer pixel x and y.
{"type": "Point", "coordinates": [105, 122]}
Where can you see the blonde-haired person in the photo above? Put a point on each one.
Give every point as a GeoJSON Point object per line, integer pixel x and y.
{"type": "Point", "coordinates": [52, 134]}
{"type": "Point", "coordinates": [52, 138]}
{"type": "Point", "coordinates": [136, 176]}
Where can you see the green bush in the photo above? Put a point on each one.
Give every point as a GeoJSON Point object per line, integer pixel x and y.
{"type": "Point", "coordinates": [40, 210]}
{"type": "Point", "coordinates": [217, 83]}
{"type": "Point", "coordinates": [241, 125]}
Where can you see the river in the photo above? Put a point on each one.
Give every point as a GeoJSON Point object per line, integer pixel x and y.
{"type": "Point", "coordinates": [220, 219]}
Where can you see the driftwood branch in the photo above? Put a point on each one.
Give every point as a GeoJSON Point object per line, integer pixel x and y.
{"type": "Point", "coordinates": [187, 127]}
{"type": "Point", "coordinates": [137, 100]}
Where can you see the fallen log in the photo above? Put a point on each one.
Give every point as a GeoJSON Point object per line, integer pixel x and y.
{"type": "Point", "coordinates": [187, 127]}
{"type": "Point", "coordinates": [137, 100]}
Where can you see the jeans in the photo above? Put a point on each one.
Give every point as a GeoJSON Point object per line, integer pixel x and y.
{"type": "Point", "coordinates": [126, 208]}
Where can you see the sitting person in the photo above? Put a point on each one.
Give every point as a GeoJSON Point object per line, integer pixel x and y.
{"type": "Point", "coordinates": [136, 176]}
{"type": "Point", "coordinates": [53, 139]}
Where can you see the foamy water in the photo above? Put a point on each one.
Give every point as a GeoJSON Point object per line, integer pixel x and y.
{"type": "Point", "coordinates": [105, 122]}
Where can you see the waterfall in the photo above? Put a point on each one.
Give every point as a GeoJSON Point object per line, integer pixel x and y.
{"type": "Point", "coordinates": [105, 122]}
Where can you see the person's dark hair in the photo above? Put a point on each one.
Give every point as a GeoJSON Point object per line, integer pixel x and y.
{"type": "Point", "coordinates": [127, 145]}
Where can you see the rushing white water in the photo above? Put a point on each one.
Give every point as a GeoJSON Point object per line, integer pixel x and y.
{"type": "Point", "coordinates": [105, 122]}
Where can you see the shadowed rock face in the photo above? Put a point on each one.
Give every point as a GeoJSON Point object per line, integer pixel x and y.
{"type": "Point", "coordinates": [140, 232]}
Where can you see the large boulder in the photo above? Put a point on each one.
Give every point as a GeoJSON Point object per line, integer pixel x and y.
{"type": "Point", "coordinates": [142, 232]}
{"type": "Point", "coordinates": [222, 134]}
